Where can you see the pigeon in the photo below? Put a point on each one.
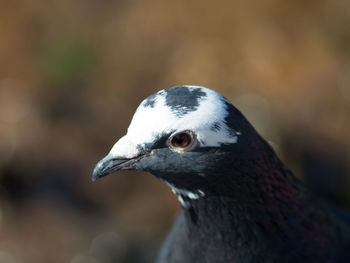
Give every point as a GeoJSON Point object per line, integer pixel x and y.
{"type": "Point", "coordinates": [239, 202]}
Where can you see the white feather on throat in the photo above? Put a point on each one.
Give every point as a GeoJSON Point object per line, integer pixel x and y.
{"type": "Point", "coordinates": [180, 193]}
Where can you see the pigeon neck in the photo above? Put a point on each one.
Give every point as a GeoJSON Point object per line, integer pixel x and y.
{"type": "Point", "coordinates": [266, 201]}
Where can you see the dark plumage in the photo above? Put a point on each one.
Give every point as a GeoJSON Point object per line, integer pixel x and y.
{"type": "Point", "coordinates": [240, 203]}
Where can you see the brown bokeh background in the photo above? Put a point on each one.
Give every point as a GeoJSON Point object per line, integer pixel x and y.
{"type": "Point", "coordinates": [73, 72]}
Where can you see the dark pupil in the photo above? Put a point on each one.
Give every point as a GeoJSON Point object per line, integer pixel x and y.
{"type": "Point", "coordinates": [181, 140]}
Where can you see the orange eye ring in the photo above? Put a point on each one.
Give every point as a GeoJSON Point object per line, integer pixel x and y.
{"type": "Point", "coordinates": [182, 141]}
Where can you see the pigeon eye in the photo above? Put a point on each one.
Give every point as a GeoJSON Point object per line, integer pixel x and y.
{"type": "Point", "coordinates": [182, 140]}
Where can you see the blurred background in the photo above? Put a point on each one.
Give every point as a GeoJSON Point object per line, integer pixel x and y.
{"type": "Point", "coordinates": [73, 72]}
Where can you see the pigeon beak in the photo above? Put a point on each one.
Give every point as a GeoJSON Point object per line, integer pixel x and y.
{"type": "Point", "coordinates": [110, 164]}
{"type": "Point", "coordinates": [122, 157]}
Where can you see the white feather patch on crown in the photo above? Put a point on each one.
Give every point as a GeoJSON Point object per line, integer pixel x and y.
{"type": "Point", "coordinates": [149, 122]}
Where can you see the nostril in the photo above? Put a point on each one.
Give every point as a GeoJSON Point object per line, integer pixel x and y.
{"type": "Point", "coordinates": [150, 153]}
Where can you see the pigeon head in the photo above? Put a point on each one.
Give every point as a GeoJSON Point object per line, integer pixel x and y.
{"type": "Point", "coordinates": [183, 135]}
